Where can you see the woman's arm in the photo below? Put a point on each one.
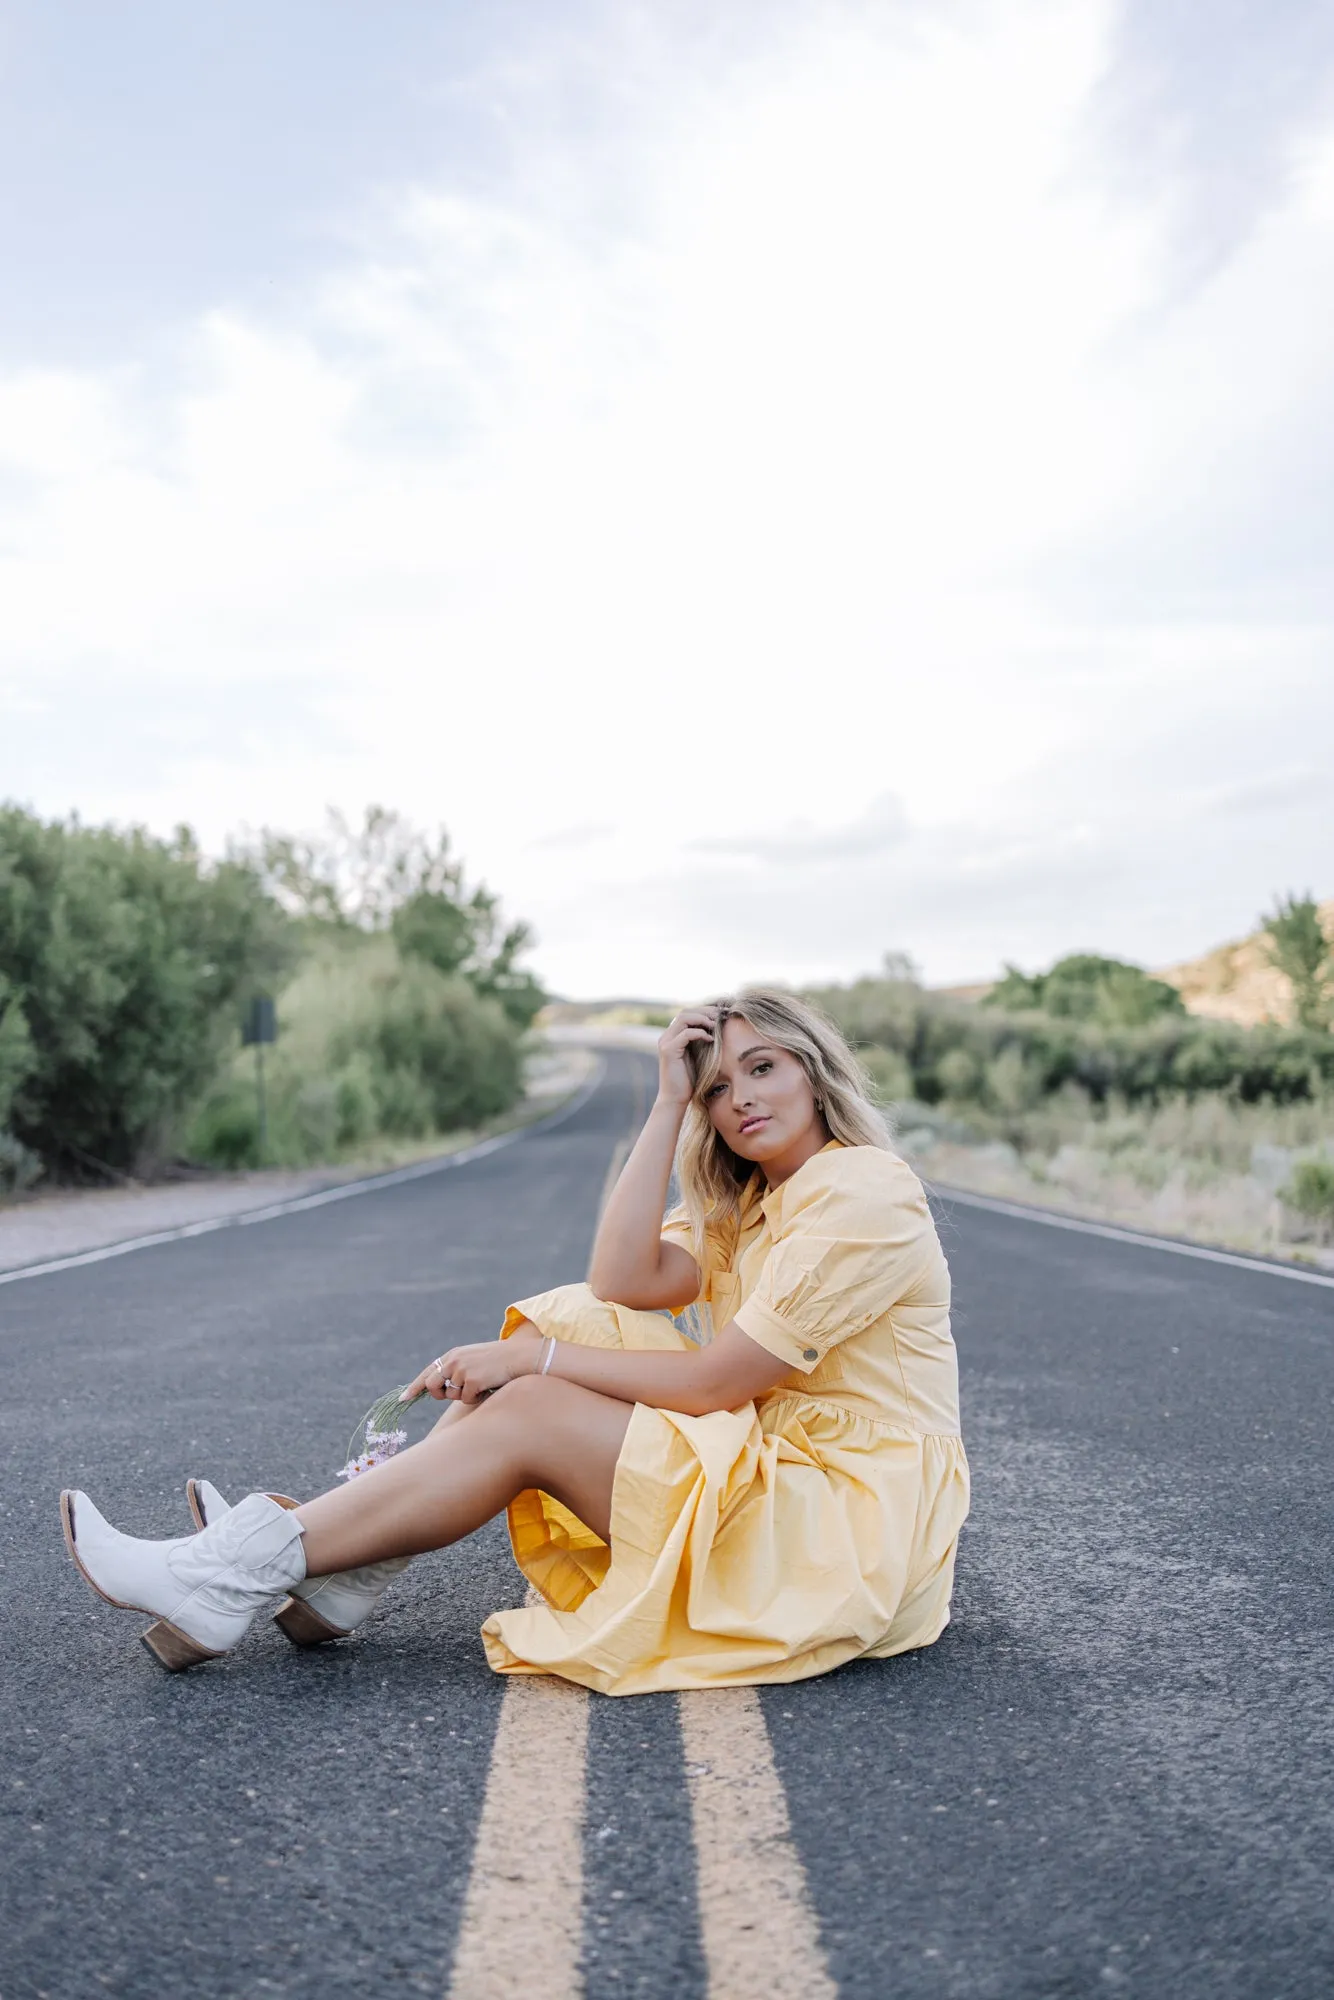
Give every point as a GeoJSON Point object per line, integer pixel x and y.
{"type": "Point", "coordinates": [732, 1370]}
{"type": "Point", "coordinates": [630, 1263]}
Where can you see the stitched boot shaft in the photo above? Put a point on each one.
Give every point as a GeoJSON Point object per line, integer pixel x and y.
{"type": "Point", "coordinates": [346, 1599]}
{"type": "Point", "coordinates": [232, 1570]}
{"type": "Point", "coordinates": [209, 1586]}
{"type": "Point", "coordinates": [341, 1601]}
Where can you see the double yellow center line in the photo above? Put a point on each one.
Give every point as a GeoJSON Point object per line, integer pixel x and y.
{"type": "Point", "coordinates": [522, 1930]}
{"type": "Point", "coordinates": [521, 1935]}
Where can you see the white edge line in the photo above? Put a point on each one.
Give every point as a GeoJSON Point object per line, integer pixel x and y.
{"type": "Point", "coordinates": [344, 1192]}
{"type": "Point", "coordinates": [1054, 1220]}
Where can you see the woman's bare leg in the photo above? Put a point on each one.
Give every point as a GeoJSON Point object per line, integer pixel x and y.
{"type": "Point", "coordinates": [533, 1432]}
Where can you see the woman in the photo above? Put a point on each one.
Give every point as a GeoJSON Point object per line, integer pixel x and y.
{"type": "Point", "coordinates": [759, 1505]}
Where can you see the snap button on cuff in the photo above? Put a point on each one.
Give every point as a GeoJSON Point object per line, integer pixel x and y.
{"type": "Point", "coordinates": [810, 1354]}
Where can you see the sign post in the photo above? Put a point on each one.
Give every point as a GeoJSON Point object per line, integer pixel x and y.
{"type": "Point", "coordinates": [258, 1026]}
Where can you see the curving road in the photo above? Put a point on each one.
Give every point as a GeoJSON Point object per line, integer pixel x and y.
{"type": "Point", "coordinates": [1113, 1774]}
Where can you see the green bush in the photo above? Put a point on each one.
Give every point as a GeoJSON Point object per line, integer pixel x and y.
{"type": "Point", "coordinates": [370, 1043]}
{"type": "Point", "coordinates": [386, 875]}
{"type": "Point", "coordinates": [19, 1166]}
{"type": "Point", "coordinates": [959, 1076]}
{"type": "Point", "coordinates": [17, 1055]}
{"type": "Point", "coordinates": [888, 1072]}
{"type": "Point", "coordinates": [953, 1048]}
{"type": "Point", "coordinates": [1085, 987]}
{"type": "Point", "coordinates": [1311, 1192]}
{"type": "Point", "coordinates": [226, 1131]}
{"type": "Point", "coordinates": [123, 962]}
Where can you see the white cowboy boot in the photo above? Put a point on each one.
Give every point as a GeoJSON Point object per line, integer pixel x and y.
{"type": "Point", "coordinates": [320, 1607]}
{"type": "Point", "coordinates": [204, 1590]}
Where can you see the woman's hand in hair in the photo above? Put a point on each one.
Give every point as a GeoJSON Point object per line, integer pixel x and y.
{"type": "Point", "coordinates": [692, 1024]}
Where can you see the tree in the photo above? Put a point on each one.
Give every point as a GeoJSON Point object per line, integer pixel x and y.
{"type": "Point", "coordinates": [468, 938]}
{"type": "Point", "coordinates": [1087, 987]}
{"type": "Point", "coordinates": [1299, 948]}
{"type": "Point", "coordinates": [124, 960]}
{"type": "Point", "coordinates": [353, 878]}
{"type": "Point", "coordinates": [387, 875]}
{"type": "Point", "coordinates": [17, 1057]}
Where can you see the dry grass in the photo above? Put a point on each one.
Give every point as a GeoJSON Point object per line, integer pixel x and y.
{"type": "Point", "coordinates": [1208, 1168]}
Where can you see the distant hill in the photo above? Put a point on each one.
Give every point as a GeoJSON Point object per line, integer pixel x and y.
{"type": "Point", "coordinates": [1236, 982]}
{"type": "Point", "coordinates": [1233, 982]}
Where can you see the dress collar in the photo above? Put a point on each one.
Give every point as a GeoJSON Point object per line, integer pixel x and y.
{"type": "Point", "coordinates": [771, 1200]}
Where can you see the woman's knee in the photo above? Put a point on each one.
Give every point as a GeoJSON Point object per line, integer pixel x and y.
{"type": "Point", "coordinates": [549, 1419]}
{"type": "Point", "coordinates": [522, 1397]}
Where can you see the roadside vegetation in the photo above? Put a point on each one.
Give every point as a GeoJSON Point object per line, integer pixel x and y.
{"type": "Point", "coordinates": [1090, 1087]}
{"type": "Point", "coordinates": [126, 962]}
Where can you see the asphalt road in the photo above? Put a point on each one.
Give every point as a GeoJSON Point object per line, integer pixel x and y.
{"type": "Point", "coordinates": [1114, 1772]}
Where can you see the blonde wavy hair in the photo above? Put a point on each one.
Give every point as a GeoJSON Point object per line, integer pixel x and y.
{"type": "Point", "coordinates": [710, 1176]}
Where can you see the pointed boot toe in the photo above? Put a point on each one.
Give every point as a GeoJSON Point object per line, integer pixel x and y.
{"type": "Point", "coordinates": [203, 1590]}
{"type": "Point", "coordinates": [118, 1567]}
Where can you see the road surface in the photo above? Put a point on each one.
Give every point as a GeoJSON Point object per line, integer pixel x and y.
{"type": "Point", "coordinates": [1113, 1774]}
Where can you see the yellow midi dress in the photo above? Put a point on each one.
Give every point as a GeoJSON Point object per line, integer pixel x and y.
{"type": "Point", "coordinates": [815, 1525]}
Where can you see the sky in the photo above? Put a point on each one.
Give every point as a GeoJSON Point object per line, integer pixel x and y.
{"type": "Point", "coordinates": [782, 481]}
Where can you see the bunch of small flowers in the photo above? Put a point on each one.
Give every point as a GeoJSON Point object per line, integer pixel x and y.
{"type": "Point", "coordinates": [380, 1434]}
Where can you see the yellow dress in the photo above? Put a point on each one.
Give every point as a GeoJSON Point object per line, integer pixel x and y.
{"type": "Point", "coordinates": [816, 1525]}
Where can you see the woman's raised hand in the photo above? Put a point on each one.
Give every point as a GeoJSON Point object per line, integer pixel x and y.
{"type": "Point", "coordinates": [692, 1024]}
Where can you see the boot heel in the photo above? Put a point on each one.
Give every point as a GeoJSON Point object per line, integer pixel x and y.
{"type": "Point", "coordinates": [304, 1626]}
{"type": "Point", "coordinates": [173, 1649]}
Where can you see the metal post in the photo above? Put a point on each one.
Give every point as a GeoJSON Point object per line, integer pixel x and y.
{"type": "Point", "coordinates": [260, 1025]}
{"type": "Point", "coordinates": [263, 1107]}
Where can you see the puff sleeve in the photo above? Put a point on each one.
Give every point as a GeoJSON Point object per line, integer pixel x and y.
{"type": "Point", "coordinates": [855, 1238]}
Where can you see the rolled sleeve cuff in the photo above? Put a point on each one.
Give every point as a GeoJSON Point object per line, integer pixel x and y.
{"type": "Point", "coordinates": [768, 1329]}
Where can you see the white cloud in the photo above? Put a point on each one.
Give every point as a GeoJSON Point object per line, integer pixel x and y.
{"type": "Point", "coordinates": [805, 517]}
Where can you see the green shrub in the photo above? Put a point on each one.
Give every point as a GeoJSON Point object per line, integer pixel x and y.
{"type": "Point", "coordinates": [1085, 987]}
{"type": "Point", "coordinates": [226, 1131]}
{"type": "Point", "coordinates": [889, 1073]}
{"type": "Point", "coordinates": [386, 875]}
{"type": "Point", "coordinates": [1311, 1192]}
{"type": "Point", "coordinates": [19, 1166]}
{"type": "Point", "coordinates": [952, 1047]}
{"type": "Point", "coordinates": [123, 962]}
{"type": "Point", "coordinates": [959, 1075]}
{"type": "Point", "coordinates": [18, 1058]}
{"type": "Point", "coordinates": [1013, 1081]}
{"type": "Point", "coordinates": [369, 1043]}
{"type": "Point", "coordinates": [441, 1055]}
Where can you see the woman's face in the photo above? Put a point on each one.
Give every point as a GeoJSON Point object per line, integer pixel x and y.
{"type": "Point", "coordinates": [761, 1101]}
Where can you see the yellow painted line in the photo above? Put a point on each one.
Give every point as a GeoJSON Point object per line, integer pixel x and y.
{"type": "Point", "coordinates": [761, 1937]}
{"type": "Point", "coordinates": [522, 1930]}
{"type": "Point", "coordinates": [521, 1933]}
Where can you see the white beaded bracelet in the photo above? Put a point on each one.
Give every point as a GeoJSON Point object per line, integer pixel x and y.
{"type": "Point", "coordinates": [550, 1345]}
